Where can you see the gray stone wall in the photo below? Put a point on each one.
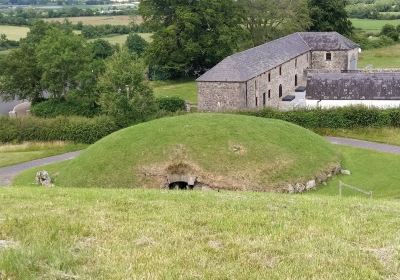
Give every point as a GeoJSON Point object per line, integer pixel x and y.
{"type": "Point", "coordinates": [221, 96]}
{"type": "Point", "coordinates": [260, 85]}
{"type": "Point", "coordinates": [340, 60]}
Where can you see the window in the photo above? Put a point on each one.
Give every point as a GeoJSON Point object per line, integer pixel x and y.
{"type": "Point", "coordinates": [264, 99]}
{"type": "Point", "coordinates": [269, 77]}
{"type": "Point", "coordinates": [295, 63]}
{"type": "Point", "coordinates": [328, 56]}
{"type": "Point", "coordinates": [280, 91]}
{"type": "Point", "coordinates": [280, 71]}
{"type": "Point", "coordinates": [295, 80]}
{"type": "Point", "coordinates": [256, 101]}
{"type": "Point", "coordinates": [269, 94]}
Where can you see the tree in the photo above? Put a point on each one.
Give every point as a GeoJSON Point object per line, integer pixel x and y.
{"type": "Point", "coordinates": [330, 15]}
{"type": "Point", "coordinates": [62, 56]}
{"type": "Point", "coordinates": [136, 44]}
{"type": "Point", "coordinates": [20, 73]}
{"type": "Point", "coordinates": [101, 49]}
{"type": "Point", "coordinates": [266, 20]}
{"type": "Point", "coordinates": [193, 35]}
{"type": "Point", "coordinates": [390, 31]}
{"type": "Point", "coordinates": [125, 93]}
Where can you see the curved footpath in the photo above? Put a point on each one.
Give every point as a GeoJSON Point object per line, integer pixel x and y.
{"type": "Point", "coordinates": [7, 174]}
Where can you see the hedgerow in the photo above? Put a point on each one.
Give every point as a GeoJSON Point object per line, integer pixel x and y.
{"type": "Point", "coordinates": [74, 129]}
{"type": "Point", "coordinates": [345, 117]}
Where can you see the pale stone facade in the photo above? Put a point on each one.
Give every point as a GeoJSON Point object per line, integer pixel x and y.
{"type": "Point", "coordinates": [239, 81]}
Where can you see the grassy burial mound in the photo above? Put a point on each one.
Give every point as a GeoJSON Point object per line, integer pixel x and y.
{"type": "Point", "coordinates": [215, 150]}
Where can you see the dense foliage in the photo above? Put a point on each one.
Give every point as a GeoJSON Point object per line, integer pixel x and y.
{"type": "Point", "coordinates": [171, 104]}
{"type": "Point", "coordinates": [330, 15]}
{"type": "Point", "coordinates": [75, 129]}
{"type": "Point", "coordinates": [266, 20]}
{"type": "Point", "coordinates": [346, 117]}
{"type": "Point", "coordinates": [71, 107]}
{"type": "Point", "coordinates": [192, 36]}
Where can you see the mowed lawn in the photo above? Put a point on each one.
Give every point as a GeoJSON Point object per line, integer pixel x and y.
{"type": "Point", "coordinates": [373, 25]}
{"type": "Point", "coordinates": [11, 154]}
{"type": "Point", "coordinates": [186, 90]}
{"type": "Point", "coordinates": [371, 171]}
{"type": "Point", "coordinates": [100, 20]}
{"type": "Point", "coordinates": [387, 57]}
{"type": "Point", "coordinates": [61, 233]}
{"type": "Point", "coordinates": [14, 32]}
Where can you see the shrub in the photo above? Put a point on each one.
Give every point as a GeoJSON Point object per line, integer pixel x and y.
{"type": "Point", "coordinates": [75, 129]}
{"type": "Point", "coordinates": [171, 104]}
{"type": "Point", "coordinates": [53, 108]}
{"type": "Point", "coordinates": [345, 117]}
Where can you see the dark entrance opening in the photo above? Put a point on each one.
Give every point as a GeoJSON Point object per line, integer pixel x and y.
{"type": "Point", "coordinates": [180, 186]}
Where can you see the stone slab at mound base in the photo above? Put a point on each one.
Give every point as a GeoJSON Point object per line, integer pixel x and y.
{"type": "Point", "coordinates": [217, 151]}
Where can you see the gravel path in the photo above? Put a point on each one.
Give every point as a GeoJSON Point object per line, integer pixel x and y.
{"type": "Point", "coordinates": [392, 149]}
{"type": "Point", "coordinates": [7, 174]}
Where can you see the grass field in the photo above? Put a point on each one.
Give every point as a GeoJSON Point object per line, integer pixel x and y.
{"type": "Point", "coordinates": [387, 57]}
{"type": "Point", "coordinates": [223, 151]}
{"type": "Point", "coordinates": [150, 234]}
{"type": "Point", "coordinates": [11, 154]}
{"type": "Point", "coordinates": [100, 20]}
{"type": "Point", "coordinates": [121, 39]}
{"type": "Point", "coordinates": [14, 32]}
{"type": "Point", "coordinates": [183, 89]}
{"type": "Point", "coordinates": [371, 171]}
{"type": "Point", "coordinates": [372, 25]}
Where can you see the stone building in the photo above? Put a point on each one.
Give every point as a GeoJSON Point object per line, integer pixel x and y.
{"type": "Point", "coordinates": [264, 75]}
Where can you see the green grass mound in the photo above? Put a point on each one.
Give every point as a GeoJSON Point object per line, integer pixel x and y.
{"type": "Point", "coordinates": [215, 150]}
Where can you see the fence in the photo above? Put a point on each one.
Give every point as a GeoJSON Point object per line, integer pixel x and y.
{"type": "Point", "coordinates": [343, 185]}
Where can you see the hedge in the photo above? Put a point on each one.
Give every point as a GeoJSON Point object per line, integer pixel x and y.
{"type": "Point", "coordinates": [74, 129]}
{"type": "Point", "coordinates": [53, 108]}
{"type": "Point", "coordinates": [345, 117]}
{"type": "Point", "coordinates": [171, 104]}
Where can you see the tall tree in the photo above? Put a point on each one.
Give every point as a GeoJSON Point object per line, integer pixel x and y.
{"type": "Point", "coordinates": [269, 19]}
{"type": "Point", "coordinates": [62, 56]}
{"type": "Point", "coordinates": [330, 15]}
{"type": "Point", "coordinates": [193, 35]}
{"type": "Point", "coordinates": [125, 93]}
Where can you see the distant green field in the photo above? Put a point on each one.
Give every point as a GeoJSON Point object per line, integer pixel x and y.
{"type": "Point", "coordinates": [14, 32]}
{"type": "Point", "coordinates": [100, 20]}
{"type": "Point", "coordinates": [121, 39]}
{"type": "Point", "coordinates": [387, 57]}
{"type": "Point", "coordinates": [373, 25]}
{"type": "Point", "coordinates": [184, 89]}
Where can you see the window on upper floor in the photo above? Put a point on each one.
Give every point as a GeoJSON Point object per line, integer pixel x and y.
{"type": "Point", "coordinates": [269, 77]}
{"type": "Point", "coordinates": [280, 71]}
{"type": "Point", "coordinates": [295, 63]}
{"type": "Point", "coordinates": [328, 56]}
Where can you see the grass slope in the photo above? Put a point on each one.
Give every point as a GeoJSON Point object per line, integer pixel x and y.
{"type": "Point", "coordinates": [387, 57]}
{"type": "Point", "coordinates": [371, 171]}
{"type": "Point", "coordinates": [13, 154]}
{"type": "Point", "coordinates": [228, 151]}
{"type": "Point", "coordinates": [151, 234]}
{"type": "Point", "coordinates": [186, 90]}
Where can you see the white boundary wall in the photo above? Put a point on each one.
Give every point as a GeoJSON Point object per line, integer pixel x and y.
{"type": "Point", "coordinates": [342, 103]}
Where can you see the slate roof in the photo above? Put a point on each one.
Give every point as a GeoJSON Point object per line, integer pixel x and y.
{"type": "Point", "coordinates": [354, 86]}
{"type": "Point", "coordinates": [327, 41]}
{"type": "Point", "coordinates": [243, 66]}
